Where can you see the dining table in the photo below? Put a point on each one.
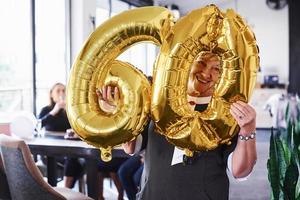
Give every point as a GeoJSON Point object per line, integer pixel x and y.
{"type": "Point", "coordinates": [54, 145]}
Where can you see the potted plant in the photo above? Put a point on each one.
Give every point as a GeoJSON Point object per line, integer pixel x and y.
{"type": "Point", "coordinates": [284, 154]}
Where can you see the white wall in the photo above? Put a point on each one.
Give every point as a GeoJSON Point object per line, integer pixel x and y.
{"type": "Point", "coordinates": [272, 33]}
{"type": "Point", "coordinates": [270, 27]}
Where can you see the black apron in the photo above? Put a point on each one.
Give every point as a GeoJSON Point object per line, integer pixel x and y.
{"type": "Point", "coordinates": [203, 179]}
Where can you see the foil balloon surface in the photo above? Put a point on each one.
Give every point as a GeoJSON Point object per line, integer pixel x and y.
{"type": "Point", "coordinates": [96, 66]}
{"type": "Point", "coordinates": [203, 30]}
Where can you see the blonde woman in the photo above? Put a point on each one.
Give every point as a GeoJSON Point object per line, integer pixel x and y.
{"type": "Point", "coordinates": [54, 118]}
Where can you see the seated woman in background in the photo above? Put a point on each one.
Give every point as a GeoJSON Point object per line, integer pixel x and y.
{"type": "Point", "coordinates": [54, 118]}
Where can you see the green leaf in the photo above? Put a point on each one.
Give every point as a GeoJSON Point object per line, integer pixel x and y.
{"type": "Point", "coordinates": [297, 131]}
{"type": "Point", "coordinates": [290, 181]}
{"type": "Point", "coordinates": [284, 158]}
{"type": "Point", "coordinates": [273, 168]}
{"type": "Point", "coordinates": [297, 127]}
{"type": "Point", "coordinates": [289, 132]}
{"type": "Point", "coordinates": [287, 112]}
{"type": "Point", "coordinates": [286, 152]}
{"type": "Point", "coordinates": [297, 162]}
{"type": "Point", "coordinates": [297, 192]}
{"type": "Point", "coordinates": [282, 151]}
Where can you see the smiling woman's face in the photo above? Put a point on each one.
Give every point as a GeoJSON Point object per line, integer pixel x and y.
{"type": "Point", "coordinates": [204, 74]}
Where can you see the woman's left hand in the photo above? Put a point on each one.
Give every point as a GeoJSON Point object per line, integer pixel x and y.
{"type": "Point", "coordinates": [245, 116]}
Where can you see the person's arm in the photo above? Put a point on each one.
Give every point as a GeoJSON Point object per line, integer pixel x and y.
{"type": "Point", "coordinates": [108, 103]}
{"type": "Point", "coordinates": [58, 106]}
{"type": "Point", "coordinates": [45, 116]}
{"type": "Point", "coordinates": [244, 156]}
{"type": "Point", "coordinates": [109, 98]}
{"type": "Point", "coordinates": [129, 147]}
{"type": "Point", "coordinates": [138, 144]}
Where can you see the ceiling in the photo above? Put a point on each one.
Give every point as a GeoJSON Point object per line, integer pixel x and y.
{"type": "Point", "coordinates": [186, 6]}
{"type": "Point", "coordinates": [139, 3]}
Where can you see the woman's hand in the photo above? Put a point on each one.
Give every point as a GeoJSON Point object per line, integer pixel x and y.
{"type": "Point", "coordinates": [61, 104]}
{"type": "Point", "coordinates": [245, 116]}
{"type": "Point", "coordinates": [109, 97]}
{"type": "Point", "coordinates": [245, 155]}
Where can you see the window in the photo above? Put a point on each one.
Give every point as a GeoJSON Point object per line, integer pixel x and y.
{"type": "Point", "coordinates": [118, 6]}
{"type": "Point", "coordinates": [15, 57]}
{"type": "Point", "coordinates": [102, 11]}
{"type": "Point", "coordinates": [146, 52]}
{"type": "Point", "coordinates": [51, 48]}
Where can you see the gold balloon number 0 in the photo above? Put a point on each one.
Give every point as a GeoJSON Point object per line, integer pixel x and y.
{"type": "Point", "coordinates": [205, 29]}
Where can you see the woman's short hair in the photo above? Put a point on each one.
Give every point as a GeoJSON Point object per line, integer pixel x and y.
{"type": "Point", "coordinates": [207, 56]}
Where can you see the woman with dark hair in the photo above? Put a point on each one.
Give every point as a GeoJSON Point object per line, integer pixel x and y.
{"type": "Point", "coordinates": [54, 118]}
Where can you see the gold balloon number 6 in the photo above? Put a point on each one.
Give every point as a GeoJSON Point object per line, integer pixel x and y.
{"type": "Point", "coordinates": [205, 29]}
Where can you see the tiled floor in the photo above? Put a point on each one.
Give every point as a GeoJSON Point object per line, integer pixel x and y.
{"type": "Point", "coordinates": [110, 191]}
{"type": "Point", "coordinates": [255, 188]}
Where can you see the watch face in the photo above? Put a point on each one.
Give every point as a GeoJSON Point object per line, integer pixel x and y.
{"type": "Point", "coordinates": [242, 137]}
{"type": "Point", "coordinates": [248, 137]}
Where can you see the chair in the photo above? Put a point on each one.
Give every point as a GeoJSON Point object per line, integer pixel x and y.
{"type": "Point", "coordinates": [24, 178]}
{"type": "Point", "coordinates": [4, 191]}
{"type": "Point", "coordinates": [4, 128]}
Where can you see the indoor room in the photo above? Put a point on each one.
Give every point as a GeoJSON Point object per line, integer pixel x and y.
{"type": "Point", "coordinates": [149, 99]}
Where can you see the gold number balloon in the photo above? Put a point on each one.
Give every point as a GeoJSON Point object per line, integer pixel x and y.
{"type": "Point", "coordinates": [95, 66]}
{"type": "Point", "coordinates": [206, 29]}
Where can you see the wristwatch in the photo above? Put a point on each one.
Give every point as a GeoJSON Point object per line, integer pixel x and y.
{"type": "Point", "coordinates": [247, 137]}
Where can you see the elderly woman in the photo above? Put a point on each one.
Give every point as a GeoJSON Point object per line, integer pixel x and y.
{"type": "Point", "coordinates": [169, 174]}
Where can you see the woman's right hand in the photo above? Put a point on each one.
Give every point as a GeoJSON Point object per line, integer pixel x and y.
{"type": "Point", "coordinates": [109, 97]}
{"type": "Point", "coordinates": [61, 104]}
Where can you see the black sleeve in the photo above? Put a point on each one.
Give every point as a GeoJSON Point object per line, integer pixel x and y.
{"type": "Point", "coordinates": [45, 117]}
{"type": "Point", "coordinates": [145, 136]}
{"type": "Point", "coordinates": [228, 149]}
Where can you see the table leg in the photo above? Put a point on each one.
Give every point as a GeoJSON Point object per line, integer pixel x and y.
{"type": "Point", "coordinates": [92, 180]}
{"type": "Point", "coordinates": [51, 171]}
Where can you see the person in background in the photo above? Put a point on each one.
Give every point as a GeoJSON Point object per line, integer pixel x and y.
{"type": "Point", "coordinates": [54, 118]}
{"type": "Point", "coordinates": [130, 173]}
{"type": "Point", "coordinates": [168, 173]}
{"type": "Point", "coordinates": [110, 169]}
